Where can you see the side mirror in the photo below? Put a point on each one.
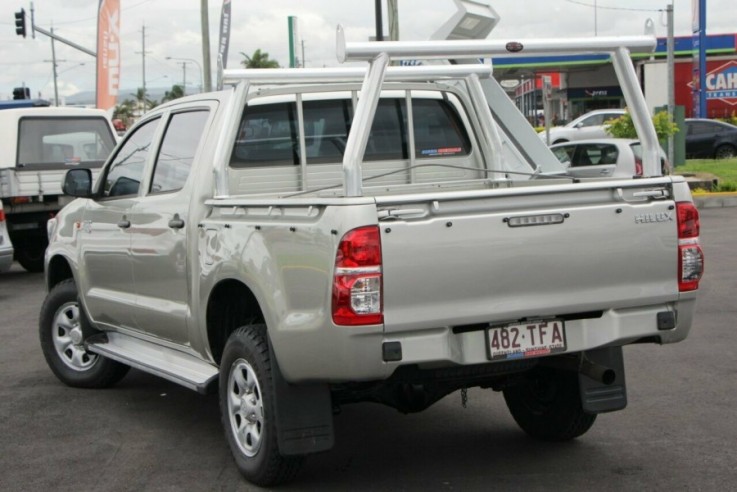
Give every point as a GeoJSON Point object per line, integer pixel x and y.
{"type": "Point", "coordinates": [77, 182]}
{"type": "Point", "coordinates": [579, 125]}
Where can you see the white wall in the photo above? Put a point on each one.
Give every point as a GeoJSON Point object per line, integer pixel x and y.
{"type": "Point", "coordinates": [656, 84]}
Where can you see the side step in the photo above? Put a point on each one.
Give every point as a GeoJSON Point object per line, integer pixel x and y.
{"type": "Point", "coordinates": [170, 364]}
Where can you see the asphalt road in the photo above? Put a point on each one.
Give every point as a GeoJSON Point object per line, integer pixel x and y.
{"type": "Point", "coordinates": [679, 431]}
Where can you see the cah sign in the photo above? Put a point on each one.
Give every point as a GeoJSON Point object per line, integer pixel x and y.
{"type": "Point", "coordinates": [721, 83]}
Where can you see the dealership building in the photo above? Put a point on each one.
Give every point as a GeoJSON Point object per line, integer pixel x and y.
{"type": "Point", "coordinates": [587, 82]}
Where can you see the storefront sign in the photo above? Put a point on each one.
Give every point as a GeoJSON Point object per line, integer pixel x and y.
{"type": "Point", "coordinates": [721, 83]}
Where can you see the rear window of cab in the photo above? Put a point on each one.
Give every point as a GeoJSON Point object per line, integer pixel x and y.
{"type": "Point", "coordinates": [269, 134]}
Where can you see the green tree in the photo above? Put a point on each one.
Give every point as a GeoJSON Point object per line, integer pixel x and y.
{"type": "Point", "coordinates": [125, 111]}
{"type": "Point", "coordinates": [176, 92]}
{"type": "Point", "coordinates": [259, 59]}
{"type": "Point", "coordinates": [144, 103]}
{"type": "Point", "coordinates": [623, 127]}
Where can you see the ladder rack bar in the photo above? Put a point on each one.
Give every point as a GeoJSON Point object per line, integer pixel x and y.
{"type": "Point", "coordinates": [276, 76]}
{"type": "Point", "coordinates": [363, 51]}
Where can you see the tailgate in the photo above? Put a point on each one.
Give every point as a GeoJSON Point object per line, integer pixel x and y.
{"type": "Point", "coordinates": [524, 253]}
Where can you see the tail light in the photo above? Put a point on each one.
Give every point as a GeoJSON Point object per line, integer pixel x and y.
{"type": "Point", "coordinates": [357, 284]}
{"type": "Point", "coordinates": [638, 166]}
{"type": "Point", "coordinates": [2, 215]}
{"type": "Point", "coordinates": [690, 255]}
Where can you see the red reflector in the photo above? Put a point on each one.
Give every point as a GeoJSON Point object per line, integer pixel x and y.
{"type": "Point", "coordinates": [688, 220]}
{"type": "Point", "coordinates": [359, 248]}
{"type": "Point", "coordinates": [357, 285]}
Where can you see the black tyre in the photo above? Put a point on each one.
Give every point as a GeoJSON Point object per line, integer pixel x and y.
{"type": "Point", "coordinates": [62, 342]}
{"type": "Point", "coordinates": [31, 258]}
{"type": "Point", "coordinates": [547, 405]}
{"type": "Point", "coordinates": [247, 409]}
{"type": "Point", "coordinates": [725, 152]}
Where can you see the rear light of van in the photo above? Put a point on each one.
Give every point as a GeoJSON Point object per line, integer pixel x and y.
{"type": "Point", "coordinates": [690, 255]}
{"type": "Point", "coordinates": [638, 167]}
{"type": "Point", "coordinates": [357, 284]}
{"type": "Point", "coordinates": [2, 215]}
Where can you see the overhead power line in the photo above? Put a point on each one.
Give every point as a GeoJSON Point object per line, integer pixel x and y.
{"type": "Point", "coordinates": [604, 7]}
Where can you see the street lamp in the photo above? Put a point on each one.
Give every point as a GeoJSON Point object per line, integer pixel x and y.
{"type": "Point", "coordinates": [184, 70]}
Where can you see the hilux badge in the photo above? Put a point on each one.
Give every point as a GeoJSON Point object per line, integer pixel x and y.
{"type": "Point", "coordinates": [654, 217]}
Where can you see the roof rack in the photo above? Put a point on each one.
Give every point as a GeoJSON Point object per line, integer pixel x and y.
{"type": "Point", "coordinates": [618, 48]}
{"type": "Point", "coordinates": [276, 76]}
{"type": "Point", "coordinates": [365, 51]}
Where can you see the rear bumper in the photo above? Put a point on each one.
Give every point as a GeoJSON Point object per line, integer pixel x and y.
{"type": "Point", "coordinates": [351, 356]}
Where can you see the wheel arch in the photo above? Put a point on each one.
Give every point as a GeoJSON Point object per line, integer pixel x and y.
{"type": "Point", "coordinates": [230, 305]}
{"type": "Point", "coordinates": [723, 145]}
{"type": "Point", "coordinates": [59, 269]}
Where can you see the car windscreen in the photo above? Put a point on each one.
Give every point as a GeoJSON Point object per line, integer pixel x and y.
{"type": "Point", "coordinates": [62, 142]}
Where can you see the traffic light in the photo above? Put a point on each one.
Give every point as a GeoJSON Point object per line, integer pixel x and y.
{"type": "Point", "coordinates": [20, 23]}
{"type": "Point", "coordinates": [21, 93]}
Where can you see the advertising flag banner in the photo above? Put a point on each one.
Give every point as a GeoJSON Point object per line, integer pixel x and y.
{"type": "Point", "coordinates": [108, 53]}
{"type": "Point", "coordinates": [224, 33]}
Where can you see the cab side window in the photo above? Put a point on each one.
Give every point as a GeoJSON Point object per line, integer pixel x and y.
{"type": "Point", "coordinates": [125, 174]}
{"type": "Point", "coordinates": [182, 137]}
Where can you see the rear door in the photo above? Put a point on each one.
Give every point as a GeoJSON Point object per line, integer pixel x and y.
{"type": "Point", "coordinates": [701, 138]}
{"type": "Point", "coordinates": [160, 228]}
{"type": "Point", "coordinates": [515, 254]}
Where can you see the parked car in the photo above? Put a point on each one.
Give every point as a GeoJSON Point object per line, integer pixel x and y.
{"type": "Point", "coordinates": [607, 157]}
{"type": "Point", "coordinates": [6, 247]}
{"type": "Point", "coordinates": [710, 139]}
{"type": "Point", "coordinates": [590, 125]}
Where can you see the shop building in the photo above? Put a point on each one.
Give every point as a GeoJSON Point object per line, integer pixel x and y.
{"type": "Point", "coordinates": [587, 82]}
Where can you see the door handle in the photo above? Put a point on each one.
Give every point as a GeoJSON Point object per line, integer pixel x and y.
{"type": "Point", "coordinates": [176, 222]}
{"type": "Point", "coordinates": [124, 223]}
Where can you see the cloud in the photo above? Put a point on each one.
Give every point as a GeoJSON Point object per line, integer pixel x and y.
{"type": "Point", "coordinates": [173, 29]}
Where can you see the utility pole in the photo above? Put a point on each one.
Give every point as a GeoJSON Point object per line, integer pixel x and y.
{"type": "Point", "coordinates": [143, 61]}
{"type": "Point", "coordinates": [205, 45]}
{"type": "Point", "coordinates": [671, 78]}
{"type": "Point", "coordinates": [184, 77]}
{"type": "Point", "coordinates": [143, 64]}
{"type": "Point", "coordinates": [379, 21]}
{"type": "Point", "coordinates": [393, 16]}
{"type": "Point", "coordinates": [596, 20]}
{"type": "Point", "coordinates": [53, 64]}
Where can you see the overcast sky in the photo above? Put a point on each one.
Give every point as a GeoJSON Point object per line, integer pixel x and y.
{"type": "Point", "coordinates": [173, 30]}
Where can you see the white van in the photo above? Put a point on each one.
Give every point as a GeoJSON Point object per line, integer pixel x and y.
{"type": "Point", "coordinates": [39, 146]}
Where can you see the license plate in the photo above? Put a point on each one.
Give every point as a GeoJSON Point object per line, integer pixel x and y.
{"type": "Point", "coordinates": [534, 339]}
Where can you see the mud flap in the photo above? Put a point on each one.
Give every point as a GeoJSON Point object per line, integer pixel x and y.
{"type": "Point", "coordinates": [304, 415]}
{"type": "Point", "coordinates": [597, 397]}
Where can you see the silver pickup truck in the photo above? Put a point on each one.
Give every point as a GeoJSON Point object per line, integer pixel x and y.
{"type": "Point", "coordinates": [308, 239]}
